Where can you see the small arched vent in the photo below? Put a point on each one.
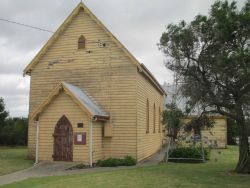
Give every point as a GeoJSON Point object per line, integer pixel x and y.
{"type": "Point", "coordinates": [81, 42]}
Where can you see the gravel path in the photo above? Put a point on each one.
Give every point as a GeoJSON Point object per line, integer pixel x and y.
{"type": "Point", "coordinates": [59, 168]}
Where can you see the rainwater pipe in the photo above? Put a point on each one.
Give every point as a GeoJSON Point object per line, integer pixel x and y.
{"type": "Point", "coordinates": [91, 141]}
{"type": "Point", "coordinates": [37, 141]}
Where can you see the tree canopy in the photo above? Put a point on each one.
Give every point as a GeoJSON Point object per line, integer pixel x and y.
{"type": "Point", "coordinates": [171, 117]}
{"type": "Point", "coordinates": [211, 58]}
{"type": "Point", "coordinates": [3, 113]}
{"type": "Point", "coordinates": [13, 131]}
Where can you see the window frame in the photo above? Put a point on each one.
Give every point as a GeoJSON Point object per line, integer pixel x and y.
{"type": "Point", "coordinates": [160, 126]}
{"type": "Point", "coordinates": [147, 116]}
{"type": "Point", "coordinates": [81, 42]}
{"type": "Point", "coordinates": [154, 119]}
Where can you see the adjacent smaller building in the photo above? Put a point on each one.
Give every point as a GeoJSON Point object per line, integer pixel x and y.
{"type": "Point", "coordinates": [216, 135]}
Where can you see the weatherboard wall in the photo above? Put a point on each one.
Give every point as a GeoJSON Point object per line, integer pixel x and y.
{"type": "Point", "coordinates": [148, 143]}
{"type": "Point", "coordinates": [64, 105]}
{"type": "Point", "coordinates": [217, 134]}
{"type": "Point", "coordinates": [106, 73]}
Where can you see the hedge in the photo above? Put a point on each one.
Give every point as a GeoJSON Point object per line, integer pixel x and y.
{"type": "Point", "coordinates": [112, 162]}
{"type": "Point", "coordinates": [190, 153]}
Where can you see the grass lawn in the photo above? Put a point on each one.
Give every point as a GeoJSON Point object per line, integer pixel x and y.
{"type": "Point", "coordinates": [13, 159]}
{"type": "Point", "coordinates": [210, 174]}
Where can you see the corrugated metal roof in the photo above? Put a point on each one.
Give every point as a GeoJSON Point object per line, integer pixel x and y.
{"type": "Point", "coordinates": [84, 99]}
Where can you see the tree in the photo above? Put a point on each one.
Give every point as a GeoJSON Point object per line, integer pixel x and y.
{"type": "Point", "coordinates": [198, 123]}
{"type": "Point", "coordinates": [15, 132]}
{"type": "Point", "coordinates": [3, 113]}
{"type": "Point", "coordinates": [211, 56]}
{"type": "Point", "coordinates": [171, 117]}
{"type": "Point", "coordinates": [232, 131]}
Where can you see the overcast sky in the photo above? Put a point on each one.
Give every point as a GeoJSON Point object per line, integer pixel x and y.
{"type": "Point", "coordinates": [138, 24]}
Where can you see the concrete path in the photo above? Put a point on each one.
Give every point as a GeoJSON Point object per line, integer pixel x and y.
{"type": "Point", "coordinates": [154, 159]}
{"type": "Point", "coordinates": [59, 168]}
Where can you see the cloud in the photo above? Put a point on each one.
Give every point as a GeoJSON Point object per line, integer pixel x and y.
{"type": "Point", "coordinates": [15, 90]}
{"type": "Point", "coordinates": [13, 60]}
{"type": "Point", "coordinates": [138, 24]}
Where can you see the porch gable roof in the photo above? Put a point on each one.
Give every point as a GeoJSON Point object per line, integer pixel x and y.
{"type": "Point", "coordinates": [79, 96]}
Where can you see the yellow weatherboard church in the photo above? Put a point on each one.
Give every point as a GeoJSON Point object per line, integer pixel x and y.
{"type": "Point", "coordinates": [90, 99]}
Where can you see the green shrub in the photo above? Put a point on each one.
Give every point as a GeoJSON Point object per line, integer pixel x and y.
{"type": "Point", "coordinates": [129, 161]}
{"type": "Point", "coordinates": [190, 152]}
{"type": "Point", "coordinates": [112, 162]}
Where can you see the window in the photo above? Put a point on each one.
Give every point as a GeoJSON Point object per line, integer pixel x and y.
{"type": "Point", "coordinates": [79, 125]}
{"type": "Point", "coordinates": [147, 117]}
{"type": "Point", "coordinates": [154, 117]}
{"type": "Point", "coordinates": [159, 120]}
{"type": "Point", "coordinates": [81, 42]}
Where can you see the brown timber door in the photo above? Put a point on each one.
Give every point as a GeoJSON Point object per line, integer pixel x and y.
{"type": "Point", "coordinates": [63, 140]}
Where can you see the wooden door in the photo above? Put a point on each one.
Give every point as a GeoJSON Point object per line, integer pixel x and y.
{"type": "Point", "coordinates": [63, 140]}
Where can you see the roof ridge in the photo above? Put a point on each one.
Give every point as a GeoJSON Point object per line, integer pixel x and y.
{"type": "Point", "coordinates": [62, 27]}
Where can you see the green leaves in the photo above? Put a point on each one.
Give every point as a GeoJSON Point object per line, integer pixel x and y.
{"type": "Point", "coordinates": [13, 131]}
{"type": "Point", "coordinates": [211, 56]}
{"type": "Point", "coordinates": [171, 117]}
{"type": "Point", "coordinates": [113, 162]}
{"type": "Point", "coordinates": [190, 153]}
{"type": "Point", "coordinates": [3, 113]}
{"type": "Point", "coordinates": [199, 123]}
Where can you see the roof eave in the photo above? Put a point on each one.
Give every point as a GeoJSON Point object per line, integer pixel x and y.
{"type": "Point", "coordinates": [62, 87]}
{"type": "Point", "coordinates": [28, 68]}
{"type": "Point", "coordinates": [141, 67]}
{"type": "Point", "coordinates": [152, 79]}
{"type": "Point", "coordinates": [101, 118]}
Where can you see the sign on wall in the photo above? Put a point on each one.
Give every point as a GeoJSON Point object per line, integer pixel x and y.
{"type": "Point", "coordinates": [80, 138]}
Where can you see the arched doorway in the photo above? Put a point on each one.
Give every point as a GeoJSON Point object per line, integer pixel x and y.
{"type": "Point", "coordinates": [63, 140]}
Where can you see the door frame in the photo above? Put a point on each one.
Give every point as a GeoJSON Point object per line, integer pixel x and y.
{"type": "Point", "coordinates": [67, 154]}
